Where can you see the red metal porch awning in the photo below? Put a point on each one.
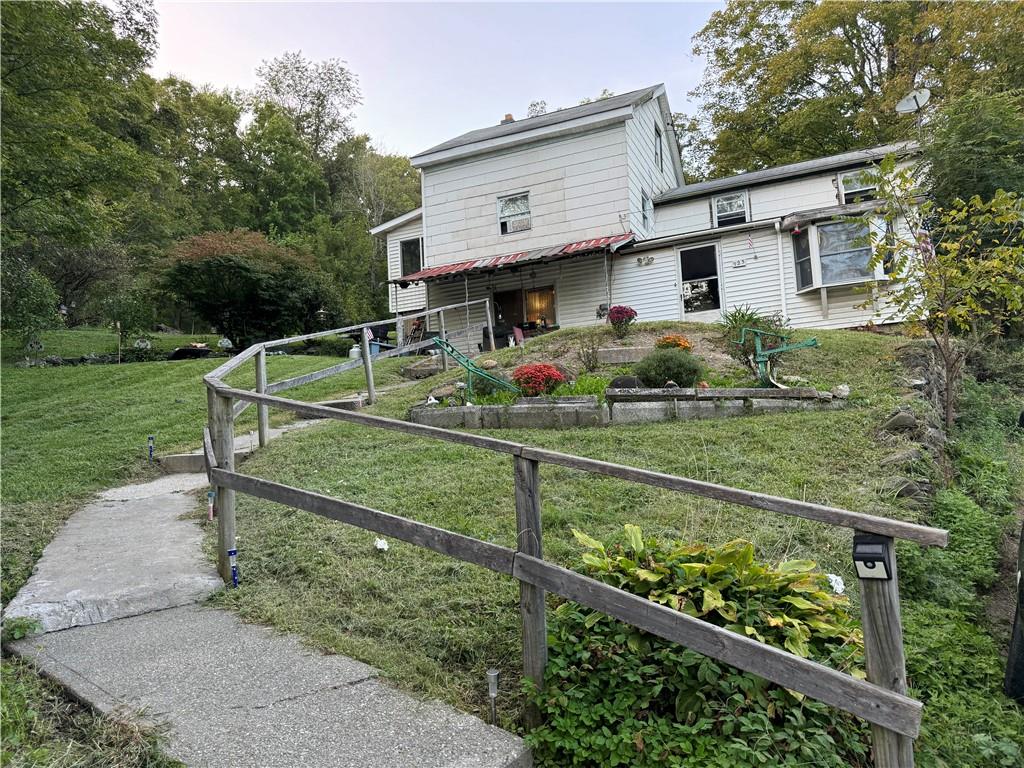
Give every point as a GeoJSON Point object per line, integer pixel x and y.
{"type": "Point", "coordinates": [612, 242]}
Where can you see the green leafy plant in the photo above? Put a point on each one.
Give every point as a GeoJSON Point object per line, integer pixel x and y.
{"type": "Point", "coordinates": [745, 316]}
{"type": "Point", "coordinates": [335, 346]}
{"type": "Point", "coordinates": [20, 627]}
{"type": "Point", "coordinates": [615, 695]}
{"type": "Point", "coordinates": [585, 384]}
{"type": "Point", "coordinates": [664, 365]}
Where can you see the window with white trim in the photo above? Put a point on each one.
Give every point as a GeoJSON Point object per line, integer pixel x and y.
{"type": "Point", "coordinates": [834, 253]}
{"type": "Point", "coordinates": [514, 213]}
{"type": "Point", "coordinates": [856, 187]}
{"type": "Point", "coordinates": [730, 209]}
{"type": "Point", "coordinates": [412, 255]}
{"type": "Point", "coordinates": [659, 151]}
{"type": "Point", "coordinates": [646, 209]}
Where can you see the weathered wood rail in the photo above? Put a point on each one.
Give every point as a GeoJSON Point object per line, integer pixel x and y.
{"type": "Point", "coordinates": [881, 700]}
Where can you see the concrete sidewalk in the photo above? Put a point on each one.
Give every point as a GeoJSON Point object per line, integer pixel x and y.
{"type": "Point", "coordinates": [116, 593]}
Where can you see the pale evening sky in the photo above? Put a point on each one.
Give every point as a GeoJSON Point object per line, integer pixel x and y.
{"type": "Point", "coordinates": [430, 71]}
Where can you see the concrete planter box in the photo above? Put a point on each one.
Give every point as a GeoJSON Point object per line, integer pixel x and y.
{"type": "Point", "coordinates": [530, 415]}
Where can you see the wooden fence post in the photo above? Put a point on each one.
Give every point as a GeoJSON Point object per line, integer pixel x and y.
{"type": "Point", "coordinates": [531, 598]}
{"type": "Point", "coordinates": [490, 325]}
{"type": "Point", "coordinates": [262, 411]}
{"type": "Point", "coordinates": [364, 343]}
{"type": "Point", "coordinates": [883, 652]}
{"type": "Point", "coordinates": [222, 431]}
{"type": "Point", "coordinates": [444, 335]}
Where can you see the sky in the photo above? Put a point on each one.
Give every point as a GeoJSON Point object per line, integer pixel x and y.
{"type": "Point", "coordinates": [431, 71]}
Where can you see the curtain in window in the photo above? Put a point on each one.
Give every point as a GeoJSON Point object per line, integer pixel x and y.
{"type": "Point", "coordinates": [844, 249]}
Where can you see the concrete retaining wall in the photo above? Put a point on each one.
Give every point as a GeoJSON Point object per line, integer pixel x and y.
{"type": "Point", "coordinates": [615, 355]}
{"type": "Point", "coordinates": [639, 406]}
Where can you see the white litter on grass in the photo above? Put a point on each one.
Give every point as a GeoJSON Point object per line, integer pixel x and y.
{"type": "Point", "coordinates": [381, 545]}
{"type": "Point", "coordinates": [431, 400]}
{"type": "Point", "coordinates": [836, 583]}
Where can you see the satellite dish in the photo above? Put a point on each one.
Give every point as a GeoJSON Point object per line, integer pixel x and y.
{"type": "Point", "coordinates": [913, 101]}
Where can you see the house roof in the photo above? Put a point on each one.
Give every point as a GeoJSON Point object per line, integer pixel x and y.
{"type": "Point", "coordinates": [398, 221]}
{"type": "Point", "coordinates": [550, 118]}
{"type": "Point", "coordinates": [471, 266]}
{"type": "Point", "coordinates": [852, 159]}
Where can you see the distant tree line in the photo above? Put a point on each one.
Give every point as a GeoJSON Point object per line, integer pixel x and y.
{"type": "Point", "coordinates": [111, 176]}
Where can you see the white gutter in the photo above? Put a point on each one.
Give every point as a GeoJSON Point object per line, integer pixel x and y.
{"type": "Point", "coordinates": [782, 268]}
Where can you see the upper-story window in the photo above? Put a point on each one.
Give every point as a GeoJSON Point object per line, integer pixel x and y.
{"type": "Point", "coordinates": [646, 209]}
{"type": "Point", "coordinates": [730, 209]}
{"type": "Point", "coordinates": [856, 186]}
{"type": "Point", "coordinates": [659, 151]}
{"type": "Point", "coordinates": [412, 255]}
{"type": "Point", "coordinates": [514, 213]}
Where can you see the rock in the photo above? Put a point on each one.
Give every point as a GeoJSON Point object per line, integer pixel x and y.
{"type": "Point", "coordinates": [934, 440]}
{"type": "Point", "coordinates": [626, 382]}
{"type": "Point", "coordinates": [161, 328]}
{"type": "Point", "coordinates": [671, 385]}
{"type": "Point", "coordinates": [53, 360]}
{"type": "Point", "coordinates": [445, 390]}
{"type": "Point", "coordinates": [842, 391]}
{"type": "Point", "coordinates": [900, 487]}
{"type": "Point", "coordinates": [825, 397]}
{"type": "Point", "coordinates": [488, 365]}
{"type": "Point", "coordinates": [919, 384]}
{"type": "Point", "coordinates": [900, 458]}
{"type": "Point", "coordinates": [795, 381]}
{"type": "Point", "coordinates": [900, 421]}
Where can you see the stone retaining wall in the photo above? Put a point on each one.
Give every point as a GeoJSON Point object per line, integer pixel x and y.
{"type": "Point", "coordinates": [625, 406]}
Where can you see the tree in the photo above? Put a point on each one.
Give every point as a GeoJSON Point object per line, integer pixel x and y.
{"type": "Point", "coordinates": [285, 183]}
{"type": "Point", "coordinates": [72, 165]}
{"type": "Point", "coordinates": [537, 108]}
{"type": "Point", "coordinates": [788, 81]}
{"type": "Point", "coordinates": [954, 270]}
{"type": "Point", "coordinates": [317, 96]}
{"type": "Point", "coordinates": [247, 286]}
{"type": "Point", "coordinates": [28, 302]}
{"type": "Point", "coordinates": [974, 146]}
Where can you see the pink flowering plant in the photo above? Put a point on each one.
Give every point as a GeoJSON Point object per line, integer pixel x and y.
{"type": "Point", "coordinates": [621, 317]}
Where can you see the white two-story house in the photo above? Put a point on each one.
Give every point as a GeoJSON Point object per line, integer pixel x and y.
{"type": "Point", "coordinates": [558, 217]}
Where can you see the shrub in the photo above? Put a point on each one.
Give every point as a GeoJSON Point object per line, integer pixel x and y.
{"type": "Point", "coordinates": [585, 384]}
{"type": "Point", "coordinates": [335, 346]}
{"type": "Point", "coordinates": [28, 300]}
{"type": "Point", "coordinates": [673, 341]}
{"type": "Point", "coordinates": [734, 321]}
{"type": "Point", "coordinates": [615, 695]}
{"type": "Point", "coordinates": [664, 365]}
{"type": "Point", "coordinates": [482, 386]}
{"type": "Point", "coordinates": [537, 378]}
{"type": "Point", "coordinates": [586, 350]}
{"type": "Point", "coordinates": [621, 317]}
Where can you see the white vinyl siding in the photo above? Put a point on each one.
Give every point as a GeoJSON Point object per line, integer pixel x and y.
{"type": "Point", "coordinates": [415, 296]}
{"type": "Point", "coordinates": [644, 174]}
{"type": "Point", "coordinates": [577, 187]}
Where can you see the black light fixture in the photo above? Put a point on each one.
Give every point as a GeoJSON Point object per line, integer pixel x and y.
{"type": "Point", "coordinates": [871, 555]}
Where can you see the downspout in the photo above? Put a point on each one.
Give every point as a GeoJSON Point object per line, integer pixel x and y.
{"type": "Point", "coordinates": [782, 269]}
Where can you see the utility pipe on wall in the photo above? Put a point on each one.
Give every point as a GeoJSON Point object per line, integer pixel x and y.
{"type": "Point", "coordinates": [782, 268]}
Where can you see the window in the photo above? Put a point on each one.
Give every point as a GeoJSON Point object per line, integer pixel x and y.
{"type": "Point", "coordinates": [646, 209]}
{"type": "Point", "coordinates": [802, 254]}
{"type": "Point", "coordinates": [514, 213]}
{"type": "Point", "coordinates": [844, 249]}
{"type": "Point", "coordinates": [698, 268]}
{"type": "Point", "coordinates": [412, 255]}
{"type": "Point", "coordinates": [856, 186]}
{"type": "Point", "coordinates": [730, 209]}
{"type": "Point", "coordinates": [659, 153]}
{"type": "Point", "coordinates": [540, 306]}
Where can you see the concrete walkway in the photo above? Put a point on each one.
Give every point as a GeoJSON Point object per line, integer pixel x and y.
{"type": "Point", "coordinates": [116, 592]}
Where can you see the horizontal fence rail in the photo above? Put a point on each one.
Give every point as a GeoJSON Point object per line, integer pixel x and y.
{"type": "Point", "coordinates": [881, 700]}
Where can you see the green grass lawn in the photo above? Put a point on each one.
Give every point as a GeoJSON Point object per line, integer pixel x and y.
{"type": "Point", "coordinates": [72, 430]}
{"type": "Point", "coordinates": [435, 625]}
{"type": "Point", "coordinates": [77, 342]}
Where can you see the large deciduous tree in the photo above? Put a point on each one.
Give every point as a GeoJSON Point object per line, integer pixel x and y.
{"type": "Point", "coordinates": [317, 95]}
{"type": "Point", "coordinates": [787, 81]}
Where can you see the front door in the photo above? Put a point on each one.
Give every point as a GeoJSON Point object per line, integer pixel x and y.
{"type": "Point", "coordinates": [700, 293]}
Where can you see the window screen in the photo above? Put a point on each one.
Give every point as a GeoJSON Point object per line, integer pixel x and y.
{"type": "Point", "coordinates": [412, 260]}
{"type": "Point", "coordinates": [802, 255]}
{"type": "Point", "coordinates": [844, 249]}
{"type": "Point", "coordinates": [730, 209]}
{"type": "Point", "coordinates": [514, 213]}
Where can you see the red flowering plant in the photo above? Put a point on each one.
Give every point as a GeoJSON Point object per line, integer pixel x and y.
{"type": "Point", "coordinates": [537, 378]}
{"type": "Point", "coordinates": [621, 317]}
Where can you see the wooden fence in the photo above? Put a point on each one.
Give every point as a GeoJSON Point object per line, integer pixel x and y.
{"type": "Point", "coordinates": [880, 700]}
